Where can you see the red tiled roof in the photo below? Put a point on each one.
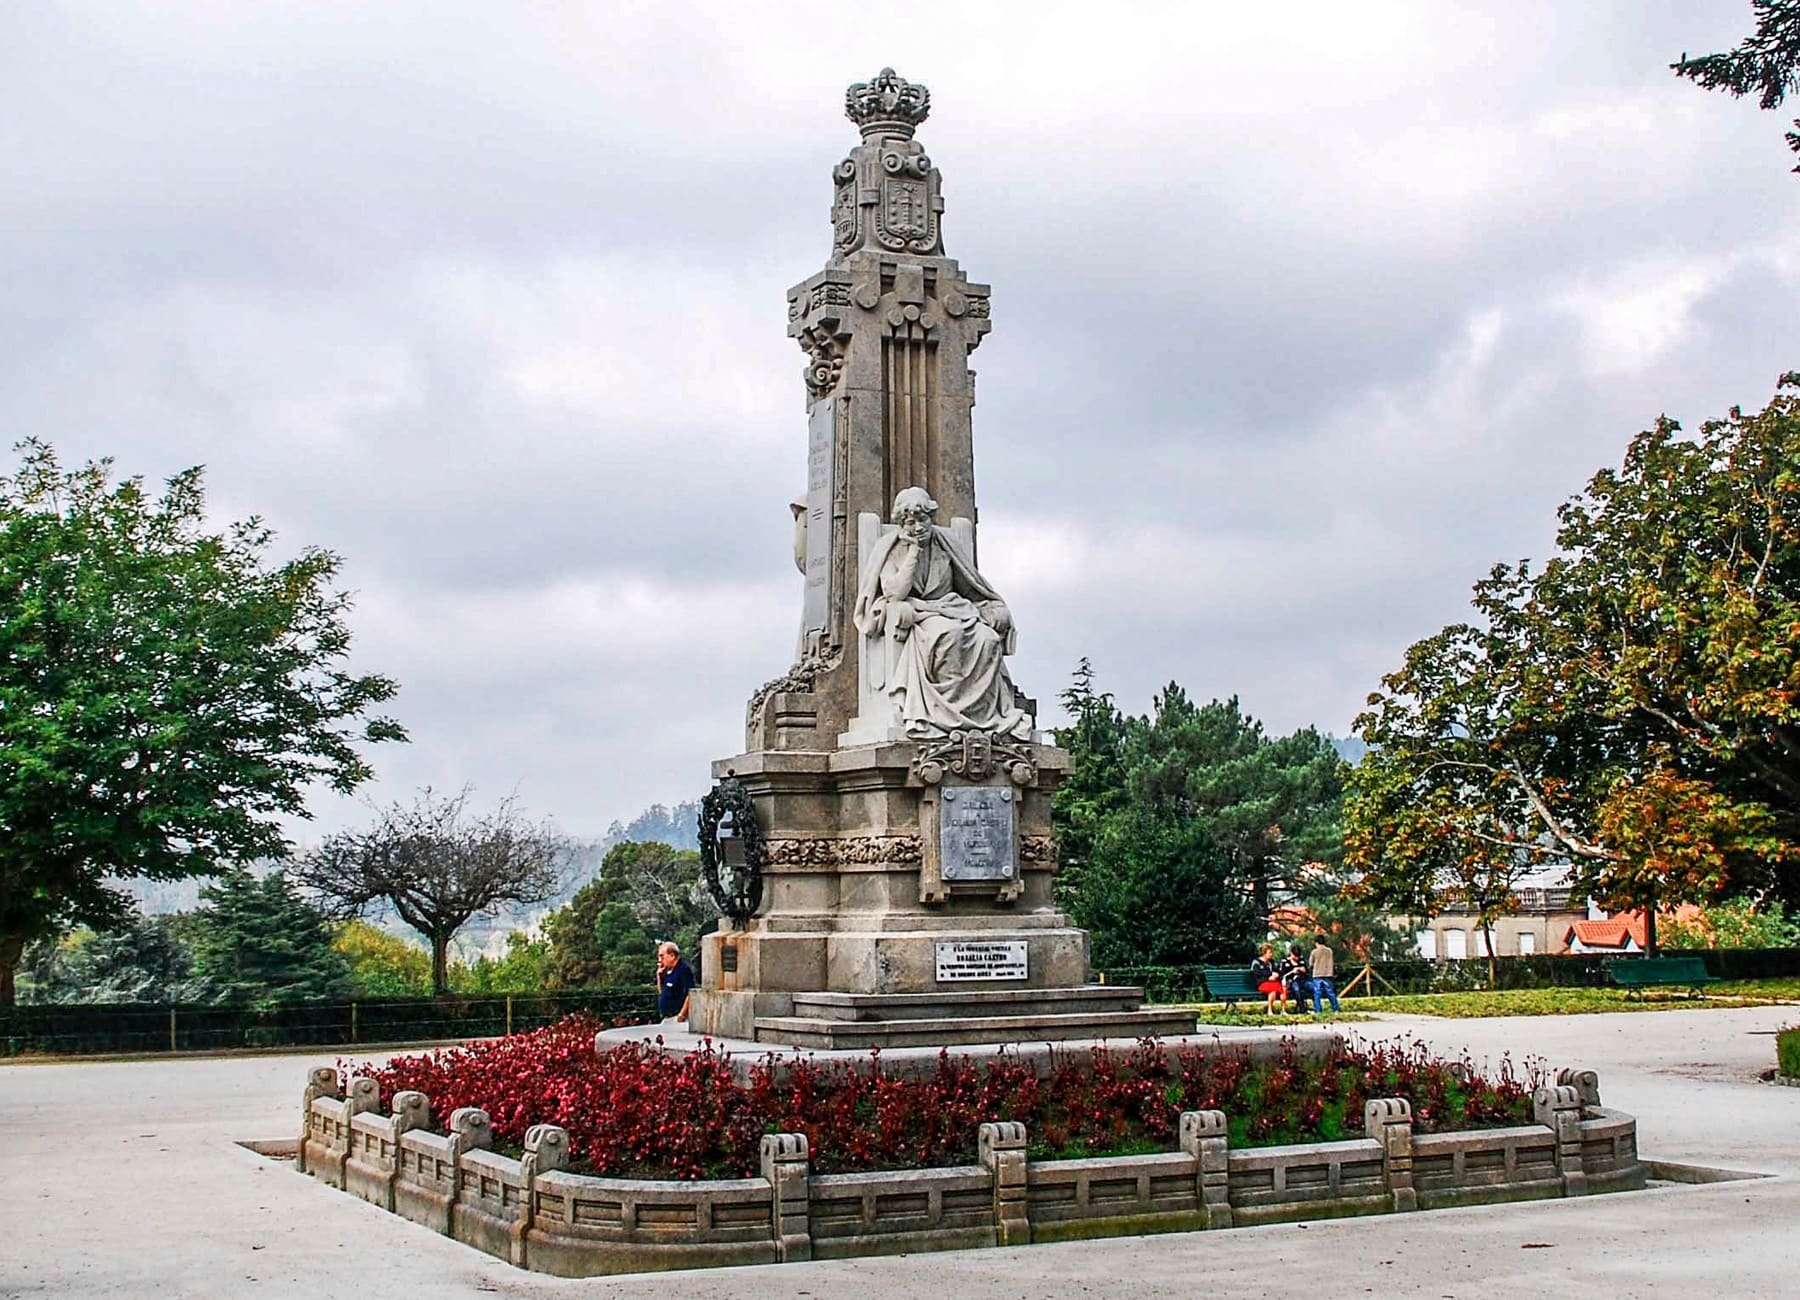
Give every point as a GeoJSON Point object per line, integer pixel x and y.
{"type": "Point", "coordinates": [1293, 919]}
{"type": "Point", "coordinates": [1613, 931]}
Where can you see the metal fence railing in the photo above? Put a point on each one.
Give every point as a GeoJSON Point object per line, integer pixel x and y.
{"type": "Point", "coordinates": [1419, 975]}
{"type": "Point", "coordinates": [160, 1027]}
{"type": "Point", "coordinates": [74, 1028]}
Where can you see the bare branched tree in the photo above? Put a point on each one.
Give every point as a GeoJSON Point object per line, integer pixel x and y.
{"type": "Point", "coordinates": [437, 865]}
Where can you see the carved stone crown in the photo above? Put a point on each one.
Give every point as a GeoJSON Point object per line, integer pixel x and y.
{"type": "Point", "coordinates": [890, 105]}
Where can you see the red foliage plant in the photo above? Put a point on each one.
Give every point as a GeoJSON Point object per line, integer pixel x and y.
{"type": "Point", "coordinates": [635, 1111]}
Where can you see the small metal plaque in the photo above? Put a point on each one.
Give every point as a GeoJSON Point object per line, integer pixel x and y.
{"type": "Point", "coordinates": [982, 959]}
{"type": "Point", "coordinates": [977, 837]}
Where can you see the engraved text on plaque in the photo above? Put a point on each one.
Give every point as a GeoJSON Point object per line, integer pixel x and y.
{"type": "Point", "coordinates": [977, 837]}
{"type": "Point", "coordinates": [982, 959]}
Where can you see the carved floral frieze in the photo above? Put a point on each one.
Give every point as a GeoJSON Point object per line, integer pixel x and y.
{"type": "Point", "coordinates": [855, 851]}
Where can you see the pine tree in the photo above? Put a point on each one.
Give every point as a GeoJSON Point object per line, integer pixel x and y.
{"type": "Point", "coordinates": [1095, 786]}
{"type": "Point", "coordinates": [258, 941]}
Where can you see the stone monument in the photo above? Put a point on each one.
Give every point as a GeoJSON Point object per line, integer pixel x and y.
{"type": "Point", "coordinates": [894, 788]}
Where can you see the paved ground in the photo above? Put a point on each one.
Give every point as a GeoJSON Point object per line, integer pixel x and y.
{"type": "Point", "coordinates": [124, 1179]}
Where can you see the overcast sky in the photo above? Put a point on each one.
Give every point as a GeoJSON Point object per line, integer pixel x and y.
{"type": "Point", "coordinates": [1304, 316]}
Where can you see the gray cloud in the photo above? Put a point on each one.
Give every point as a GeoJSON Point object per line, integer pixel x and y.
{"type": "Point", "coordinates": [1302, 320]}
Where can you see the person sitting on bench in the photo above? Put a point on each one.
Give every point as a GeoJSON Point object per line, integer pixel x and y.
{"type": "Point", "coordinates": [1262, 970]}
{"type": "Point", "coordinates": [1293, 978]}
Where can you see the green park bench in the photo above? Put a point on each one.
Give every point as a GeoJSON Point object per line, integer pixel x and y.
{"type": "Point", "coordinates": [1229, 984]}
{"type": "Point", "coordinates": [1640, 973]}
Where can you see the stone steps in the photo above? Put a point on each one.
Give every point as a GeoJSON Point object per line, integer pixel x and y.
{"type": "Point", "coordinates": [817, 1032]}
{"type": "Point", "coordinates": [946, 1004]}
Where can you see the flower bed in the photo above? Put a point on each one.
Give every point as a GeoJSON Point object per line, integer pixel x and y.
{"type": "Point", "coordinates": [635, 1112]}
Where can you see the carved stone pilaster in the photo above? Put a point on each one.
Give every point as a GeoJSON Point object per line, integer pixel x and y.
{"type": "Point", "coordinates": [321, 1081]}
{"type": "Point", "coordinates": [786, 1161]}
{"type": "Point", "coordinates": [1003, 1155]}
{"type": "Point", "coordinates": [1389, 1121]}
{"type": "Point", "coordinates": [470, 1130]}
{"type": "Point", "coordinates": [1587, 1087]}
{"type": "Point", "coordinates": [546, 1148]}
{"type": "Point", "coordinates": [1558, 1108]}
{"type": "Point", "coordinates": [1205, 1137]}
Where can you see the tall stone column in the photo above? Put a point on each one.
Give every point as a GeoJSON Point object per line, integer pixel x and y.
{"type": "Point", "coordinates": [887, 327]}
{"type": "Point", "coordinates": [899, 783]}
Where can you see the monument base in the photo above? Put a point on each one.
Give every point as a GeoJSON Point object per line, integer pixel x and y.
{"type": "Point", "coordinates": [1253, 1040]}
{"type": "Point", "coordinates": [859, 1022]}
{"type": "Point", "coordinates": [907, 903]}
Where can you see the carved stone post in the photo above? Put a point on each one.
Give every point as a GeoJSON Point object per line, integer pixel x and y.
{"type": "Point", "coordinates": [1587, 1086]}
{"type": "Point", "coordinates": [470, 1130]}
{"type": "Point", "coordinates": [786, 1164]}
{"type": "Point", "coordinates": [1003, 1156]}
{"type": "Point", "coordinates": [411, 1110]}
{"type": "Point", "coordinates": [365, 1095]}
{"type": "Point", "coordinates": [1389, 1121]}
{"type": "Point", "coordinates": [1558, 1108]}
{"type": "Point", "coordinates": [546, 1148]}
{"type": "Point", "coordinates": [321, 1081]}
{"type": "Point", "coordinates": [1205, 1137]}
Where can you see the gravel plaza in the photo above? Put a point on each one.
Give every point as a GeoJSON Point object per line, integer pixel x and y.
{"type": "Point", "coordinates": [125, 1178]}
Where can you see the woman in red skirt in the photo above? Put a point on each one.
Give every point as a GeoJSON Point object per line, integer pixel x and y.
{"type": "Point", "coordinates": [1262, 970]}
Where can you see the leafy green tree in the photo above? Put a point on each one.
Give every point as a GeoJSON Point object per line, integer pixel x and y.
{"type": "Point", "coordinates": [663, 888]}
{"type": "Point", "coordinates": [1633, 707]}
{"type": "Point", "coordinates": [1430, 823]}
{"type": "Point", "coordinates": [524, 968]}
{"type": "Point", "coordinates": [1330, 903]}
{"type": "Point", "coordinates": [1274, 805]}
{"type": "Point", "coordinates": [1766, 64]}
{"type": "Point", "coordinates": [259, 941]}
{"type": "Point", "coordinates": [607, 933]}
{"type": "Point", "coordinates": [1179, 829]}
{"type": "Point", "coordinates": [1161, 893]}
{"type": "Point", "coordinates": [1735, 923]}
{"type": "Point", "coordinates": [167, 693]}
{"type": "Point", "coordinates": [382, 965]}
{"type": "Point", "coordinates": [437, 866]}
{"type": "Point", "coordinates": [146, 959]}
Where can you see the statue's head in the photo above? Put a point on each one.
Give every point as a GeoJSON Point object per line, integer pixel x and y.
{"type": "Point", "coordinates": [914, 511]}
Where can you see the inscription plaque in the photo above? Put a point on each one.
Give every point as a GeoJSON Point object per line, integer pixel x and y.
{"type": "Point", "coordinates": [982, 959]}
{"type": "Point", "coordinates": [977, 837]}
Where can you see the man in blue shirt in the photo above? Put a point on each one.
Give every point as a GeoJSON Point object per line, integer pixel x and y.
{"type": "Point", "coordinates": [674, 982]}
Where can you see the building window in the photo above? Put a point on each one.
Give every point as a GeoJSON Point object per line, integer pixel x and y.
{"type": "Point", "coordinates": [1527, 943]}
{"type": "Point", "coordinates": [1481, 943]}
{"type": "Point", "coordinates": [1428, 944]}
{"type": "Point", "coordinates": [1456, 944]}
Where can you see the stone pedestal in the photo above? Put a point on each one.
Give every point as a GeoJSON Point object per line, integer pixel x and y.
{"type": "Point", "coordinates": [892, 915]}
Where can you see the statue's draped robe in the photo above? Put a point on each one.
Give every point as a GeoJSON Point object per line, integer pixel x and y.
{"type": "Point", "coordinates": [948, 673]}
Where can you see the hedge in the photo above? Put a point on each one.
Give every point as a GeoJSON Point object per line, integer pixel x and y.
{"type": "Point", "coordinates": [1419, 975]}
{"type": "Point", "coordinates": [161, 1027]}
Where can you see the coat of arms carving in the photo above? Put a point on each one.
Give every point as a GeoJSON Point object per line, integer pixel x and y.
{"type": "Point", "coordinates": [904, 217]}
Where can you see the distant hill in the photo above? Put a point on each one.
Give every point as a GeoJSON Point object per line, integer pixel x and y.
{"type": "Point", "coordinates": [1350, 748]}
{"type": "Point", "coordinates": [159, 897]}
{"type": "Point", "coordinates": [679, 826]}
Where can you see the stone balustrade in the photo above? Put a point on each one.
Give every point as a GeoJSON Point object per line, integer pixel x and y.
{"type": "Point", "coordinates": [539, 1215]}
